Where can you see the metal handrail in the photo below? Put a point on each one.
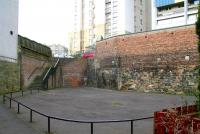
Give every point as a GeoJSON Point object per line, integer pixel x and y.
{"type": "Point", "coordinates": [49, 70]}
{"type": "Point", "coordinates": [67, 120]}
{"type": "Point", "coordinates": [47, 73]}
{"type": "Point", "coordinates": [56, 63]}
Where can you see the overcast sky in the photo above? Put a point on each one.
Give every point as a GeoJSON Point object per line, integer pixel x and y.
{"type": "Point", "coordinates": [46, 21]}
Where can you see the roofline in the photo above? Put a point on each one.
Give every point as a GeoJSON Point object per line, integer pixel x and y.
{"type": "Point", "coordinates": [162, 29]}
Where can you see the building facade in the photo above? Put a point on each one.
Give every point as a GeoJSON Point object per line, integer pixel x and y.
{"type": "Point", "coordinates": [8, 29]}
{"type": "Point", "coordinates": [88, 25]}
{"type": "Point", "coordinates": [171, 13]}
{"type": "Point", "coordinates": [127, 16]}
{"type": "Point", "coordinates": [59, 51]}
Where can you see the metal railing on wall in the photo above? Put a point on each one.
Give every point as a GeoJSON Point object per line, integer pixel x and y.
{"type": "Point", "coordinates": [50, 72]}
{"type": "Point", "coordinates": [49, 118]}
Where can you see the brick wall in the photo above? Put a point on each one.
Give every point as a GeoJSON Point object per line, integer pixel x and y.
{"type": "Point", "coordinates": [73, 71]}
{"type": "Point", "coordinates": [32, 65]}
{"type": "Point", "coordinates": [181, 39]}
{"type": "Point", "coordinates": [163, 60]}
{"type": "Point", "coordinates": [35, 58]}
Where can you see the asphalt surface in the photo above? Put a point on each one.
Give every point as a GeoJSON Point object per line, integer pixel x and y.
{"type": "Point", "coordinates": [11, 124]}
{"type": "Point", "coordinates": [92, 104]}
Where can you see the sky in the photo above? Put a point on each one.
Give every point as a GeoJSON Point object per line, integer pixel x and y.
{"type": "Point", "coordinates": [46, 21]}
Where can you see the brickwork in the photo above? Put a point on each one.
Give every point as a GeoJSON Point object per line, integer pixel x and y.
{"type": "Point", "coordinates": [163, 60]}
{"type": "Point", "coordinates": [73, 71]}
{"type": "Point", "coordinates": [35, 58]}
{"type": "Point", "coordinates": [31, 67]}
{"type": "Point", "coordinates": [181, 39]}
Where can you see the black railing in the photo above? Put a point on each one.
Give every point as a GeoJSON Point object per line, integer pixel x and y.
{"type": "Point", "coordinates": [92, 123]}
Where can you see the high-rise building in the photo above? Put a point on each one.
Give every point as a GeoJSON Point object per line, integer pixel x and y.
{"type": "Point", "coordinates": [8, 29]}
{"type": "Point", "coordinates": [88, 25]}
{"type": "Point", "coordinates": [171, 13]}
{"type": "Point", "coordinates": [97, 19]}
{"type": "Point", "coordinates": [127, 16]}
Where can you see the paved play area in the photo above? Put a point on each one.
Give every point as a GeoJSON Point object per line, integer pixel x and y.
{"type": "Point", "coordinates": [92, 104]}
{"type": "Point", "coordinates": [11, 124]}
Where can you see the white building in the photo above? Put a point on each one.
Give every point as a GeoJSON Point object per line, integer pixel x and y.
{"type": "Point", "coordinates": [8, 29]}
{"type": "Point", "coordinates": [127, 16]}
{"type": "Point", "coordinates": [171, 13]}
{"type": "Point", "coordinates": [59, 51]}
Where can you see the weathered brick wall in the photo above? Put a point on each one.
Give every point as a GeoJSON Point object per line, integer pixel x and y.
{"type": "Point", "coordinates": [181, 39]}
{"type": "Point", "coordinates": [73, 72]}
{"type": "Point", "coordinates": [163, 60]}
{"type": "Point", "coordinates": [32, 65]}
{"type": "Point", "coordinates": [35, 58]}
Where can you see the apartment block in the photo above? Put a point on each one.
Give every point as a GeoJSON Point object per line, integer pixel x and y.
{"type": "Point", "coordinates": [88, 25]}
{"type": "Point", "coordinates": [59, 51]}
{"type": "Point", "coordinates": [127, 16]}
{"type": "Point", "coordinates": [171, 13]}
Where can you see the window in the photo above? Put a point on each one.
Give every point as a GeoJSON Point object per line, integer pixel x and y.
{"type": "Point", "coordinates": [115, 14]}
{"type": "Point", "coordinates": [141, 12]}
{"type": "Point", "coordinates": [114, 3]}
{"type": "Point", "coordinates": [114, 25]}
{"type": "Point", "coordinates": [141, 21]}
{"type": "Point", "coordinates": [108, 20]}
{"type": "Point", "coordinates": [108, 15]}
{"type": "Point", "coordinates": [108, 31]}
{"type": "Point", "coordinates": [108, 9]}
{"type": "Point", "coordinates": [140, 2]}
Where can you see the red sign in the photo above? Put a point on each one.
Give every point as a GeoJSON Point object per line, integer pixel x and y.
{"type": "Point", "coordinates": [88, 55]}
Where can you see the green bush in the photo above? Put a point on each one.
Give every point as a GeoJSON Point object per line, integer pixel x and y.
{"type": "Point", "coordinates": [197, 93]}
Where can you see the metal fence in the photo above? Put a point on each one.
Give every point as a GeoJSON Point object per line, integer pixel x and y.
{"type": "Point", "coordinates": [49, 118]}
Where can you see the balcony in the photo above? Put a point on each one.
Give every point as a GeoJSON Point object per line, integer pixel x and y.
{"type": "Point", "coordinates": [108, 1]}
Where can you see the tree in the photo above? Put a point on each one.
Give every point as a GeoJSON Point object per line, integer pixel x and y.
{"type": "Point", "coordinates": [198, 34]}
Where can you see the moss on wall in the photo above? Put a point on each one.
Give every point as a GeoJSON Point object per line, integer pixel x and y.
{"type": "Point", "coordinates": [34, 46]}
{"type": "Point", "coordinates": [9, 76]}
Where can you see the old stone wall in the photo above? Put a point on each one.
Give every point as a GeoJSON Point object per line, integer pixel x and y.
{"type": "Point", "coordinates": [157, 61]}
{"type": "Point", "coordinates": [9, 76]}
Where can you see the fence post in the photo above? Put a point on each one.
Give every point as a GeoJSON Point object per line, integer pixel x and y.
{"type": "Point", "coordinates": [31, 115]}
{"type": "Point", "coordinates": [11, 95]}
{"type": "Point", "coordinates": [10, 102]}
{"type": "Point", "coordinates": [49, 125]}
{"type": "Point", "coordinates": [22, 92]}
{"type": "Point", "coordinates": [17, 108]}
{"type": "Point", "coordinates": [4, 99]}
{"type": "Point", "coordinates": [132, 127]}
{"type": "Point", "coordinates": [92, 129]}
